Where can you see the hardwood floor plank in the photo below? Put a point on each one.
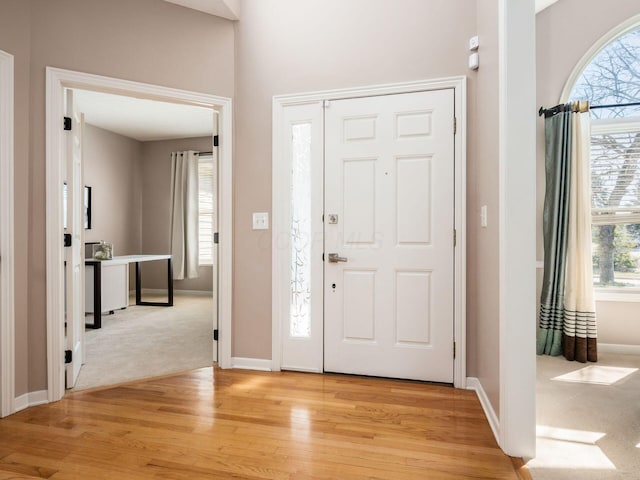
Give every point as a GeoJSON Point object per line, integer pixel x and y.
{"type": "Point", "coordinates": [213, 423]}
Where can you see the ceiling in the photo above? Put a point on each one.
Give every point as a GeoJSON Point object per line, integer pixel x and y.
{"type": "Point", "coordinates": [229, 9]}
{"type": "Point", "coordinates": [141, 119]}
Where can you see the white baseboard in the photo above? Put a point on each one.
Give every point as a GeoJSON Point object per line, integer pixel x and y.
{"type": "Point", "coordinates": [474, 384]}
{"type": "Point", "coordinates": [617, 348]}
{"type": "Point", "coordinates": [31, 399]}
{"type": "Point", "coordinates": [163, 291]}
{"type": "Point", "coordinates": [251, 364]}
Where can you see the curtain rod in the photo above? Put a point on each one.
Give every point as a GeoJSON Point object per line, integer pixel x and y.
{"type": "Point", "coordinates": [199, 153]}
{"type": "Point", "coordinates": [549, 112]}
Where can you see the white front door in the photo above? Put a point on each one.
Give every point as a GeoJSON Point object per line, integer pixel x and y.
{"type": "Point", "coordinates": [389, 217]}
{"type": "Point", "coordinates": [74, 254]}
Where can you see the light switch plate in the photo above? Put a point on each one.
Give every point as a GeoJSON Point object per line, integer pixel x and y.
{"type": "Point", "coordinates": [483, 216]}
{"type": "Point", "coordinates": [474, 61]}
{"type": "Point", "coordinates": [260, 220]}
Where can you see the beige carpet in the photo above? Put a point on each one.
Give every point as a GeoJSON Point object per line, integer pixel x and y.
{"type": "Point", "coordinates": [588, 418]}
{"type": "Point", "coordinates": [141, 342]}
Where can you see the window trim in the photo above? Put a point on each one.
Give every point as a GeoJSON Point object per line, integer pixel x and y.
{"type": "Point", "coordinates": [606, 294]}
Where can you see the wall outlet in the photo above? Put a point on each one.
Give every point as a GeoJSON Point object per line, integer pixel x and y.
{"type": "Point", "coordinates": [260, 220]}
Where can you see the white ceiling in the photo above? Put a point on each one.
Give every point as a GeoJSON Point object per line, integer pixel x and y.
{"type": "Point", "coordinates": [229, 9]}
{"type": "Point", "coordinates": [141, 119]}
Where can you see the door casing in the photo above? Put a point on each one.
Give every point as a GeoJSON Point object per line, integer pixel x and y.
{"type": "Point", "coordinates": [280, 223]}
{"type": "Point", "coordinates": [56, 81]}
{"type": "Point", "coordinates": [7, 279]}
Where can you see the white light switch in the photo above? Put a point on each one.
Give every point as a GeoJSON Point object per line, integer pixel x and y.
{"type": "Point", "coordinates": [483, 216]}
{"type": "Point", "coordinates": [261, 220]}
{"type": "Point", "coordinates": [474, 61]}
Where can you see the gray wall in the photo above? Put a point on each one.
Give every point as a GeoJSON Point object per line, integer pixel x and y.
{"type": "Point", "coordinates": [112, 165]}
{"type": "Point", "coordinates": [290, 46]}
{"type": "Point", "coordinates": [156, 208]}
{"type": "Point", "coordinates": [561, 43]}
{"type": "Point", "coordinates": [147, 40]}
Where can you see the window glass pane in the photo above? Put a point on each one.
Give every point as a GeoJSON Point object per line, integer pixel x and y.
{"type": "Point", "coordinates": [205, 205]}
{"type": "Point", "coordinates": [612, 77]}
{"type": "Point", "coordinates": [615, 177]}
{"type": "Point", "coordinates": [616, 251]}
{"type": "Point", "coordinates": [300, 324]}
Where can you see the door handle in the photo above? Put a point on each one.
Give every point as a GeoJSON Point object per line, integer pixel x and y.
{"type": "Point", "coordinates": [335, 258]}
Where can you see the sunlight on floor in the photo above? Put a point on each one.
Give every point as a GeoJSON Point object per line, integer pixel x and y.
{"type": "Point", "coordinates": [597, 375]}
{"type": "Point", "coordinates": [565, 448]}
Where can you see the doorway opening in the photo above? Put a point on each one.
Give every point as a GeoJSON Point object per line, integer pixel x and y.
{"type": "Point", "coordinates": [59, 80]}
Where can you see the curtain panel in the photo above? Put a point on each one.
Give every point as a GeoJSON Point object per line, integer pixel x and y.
{"type": "Point", "coordinates": [567, 321]}
{"type": "Point", "coordinates": [184, 214]}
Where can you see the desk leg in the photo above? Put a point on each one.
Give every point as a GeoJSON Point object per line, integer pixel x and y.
{"type": "Point", "coordinates": [170, 281]}
{"type": "Point", "coordinates": [97, 297]}
{"type": "Point", "coordinates": [169, 302]}
{"type": "Point", "coordinates": [138, 287]}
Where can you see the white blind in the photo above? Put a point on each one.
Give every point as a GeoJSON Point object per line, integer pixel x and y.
{"type": "Point", "coordinates": [615, 177]}
{"type": "Point", "coordinates": [205, 206]}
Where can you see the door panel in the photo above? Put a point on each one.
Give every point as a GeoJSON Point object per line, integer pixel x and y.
{"type": "Point", "coordinates": [74, 254]}
{"type": "Point", "coordinates": [389, 178]}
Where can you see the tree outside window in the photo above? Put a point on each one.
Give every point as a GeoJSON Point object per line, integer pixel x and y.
{"type": "Point", "coordinates": [613, 78]}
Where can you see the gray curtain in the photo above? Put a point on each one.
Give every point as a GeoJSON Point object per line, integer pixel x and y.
{"type": "Point", "coordinates": [184, 214]}
{"type": "Point", "coordinates": [566, 323]}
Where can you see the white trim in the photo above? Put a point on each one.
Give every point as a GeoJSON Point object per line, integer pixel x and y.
{"type": "Point", "coordinates": [539, 264]}
{"type": "Point", "coordinates": [279, 307]}
{"type": "Point", "coordinates": [58, 79]}
{"type": "Point", "coordinates": [163, 291]}
{"type": "Point", "coordinates": [474, 384]}
{"type": "Point", "coordinates": [251, 364]}
{"type": "Point", "coordinates": [7, 265]}
{"type": "Point", "coordinates": [517, 227]}
{"type": "Point", "coordinates": [31, 400]}
{"type": "Point", "coordinates": [604, 296]}
{"type": "Point", "coordinates": [619, 348]}
{"type": "Point", "coordinates": [626, 26]}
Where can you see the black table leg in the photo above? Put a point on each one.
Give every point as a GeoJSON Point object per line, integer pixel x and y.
{"type": "Point", "coordinates": [169, 302]}
{"type": "Point", "coordinates": [97, 296]}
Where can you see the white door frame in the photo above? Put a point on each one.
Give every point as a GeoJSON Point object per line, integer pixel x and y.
{"type": "Point", "coordinates": [7, 279]}
{"type": "Point", "coordinates": [57, 80]}
{"type": "Point", "coordinates": [281, 168]}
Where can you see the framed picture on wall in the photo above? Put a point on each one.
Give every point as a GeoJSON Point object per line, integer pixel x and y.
{"type": "Point", "coordinates": [87, 208]}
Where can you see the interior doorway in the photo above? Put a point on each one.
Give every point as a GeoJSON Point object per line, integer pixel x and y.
{"type": "Point", "coordinates": [127, 145]}
{"type": "Point", "coordinates": [57, 81]}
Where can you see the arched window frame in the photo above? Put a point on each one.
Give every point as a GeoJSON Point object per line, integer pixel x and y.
{"type": "Point", "coordinates": [608, 126]}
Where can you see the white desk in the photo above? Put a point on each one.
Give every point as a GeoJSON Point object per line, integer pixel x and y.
{"type": "Point", "coordinates": [107, 284]}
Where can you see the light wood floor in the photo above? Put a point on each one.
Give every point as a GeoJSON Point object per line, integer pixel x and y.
{"type": "Point", "coordinates": [216, 424]}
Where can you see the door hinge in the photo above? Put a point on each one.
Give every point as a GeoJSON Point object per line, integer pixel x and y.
{"type": "Point", "coordinates": [68, 356]}
{"type": "Point", "coordinates": [215, 334]}
{"type": "Point", "coordinates": [216, 140]}
{"type": "Point", "coordinates": [323, 257]}
{"type": "Point", "coordinates": [216, 237]}
{"type": "Point", "coordinates": [454, 349]}
{"type": "Point", "coordinates": [455, 237]}
{"type": "Point", "coordinates": [67, 123]}
{"type": "Point", "coordinates": [67, 239]}
{"type": "Point", "coordinates": [455, 125]}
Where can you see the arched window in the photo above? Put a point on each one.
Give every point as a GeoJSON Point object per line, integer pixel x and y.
{"type": "Point", "coordinates": [611, 83]}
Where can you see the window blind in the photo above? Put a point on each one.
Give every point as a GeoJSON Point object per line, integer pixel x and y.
{"type": "Point", "coordinates": [205, 209]}
{"type": "Point", "coordinates": [615, 177]}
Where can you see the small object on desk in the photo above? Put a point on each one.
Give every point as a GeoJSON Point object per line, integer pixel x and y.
{"type": "Point", "coordinates": [103, 251]}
